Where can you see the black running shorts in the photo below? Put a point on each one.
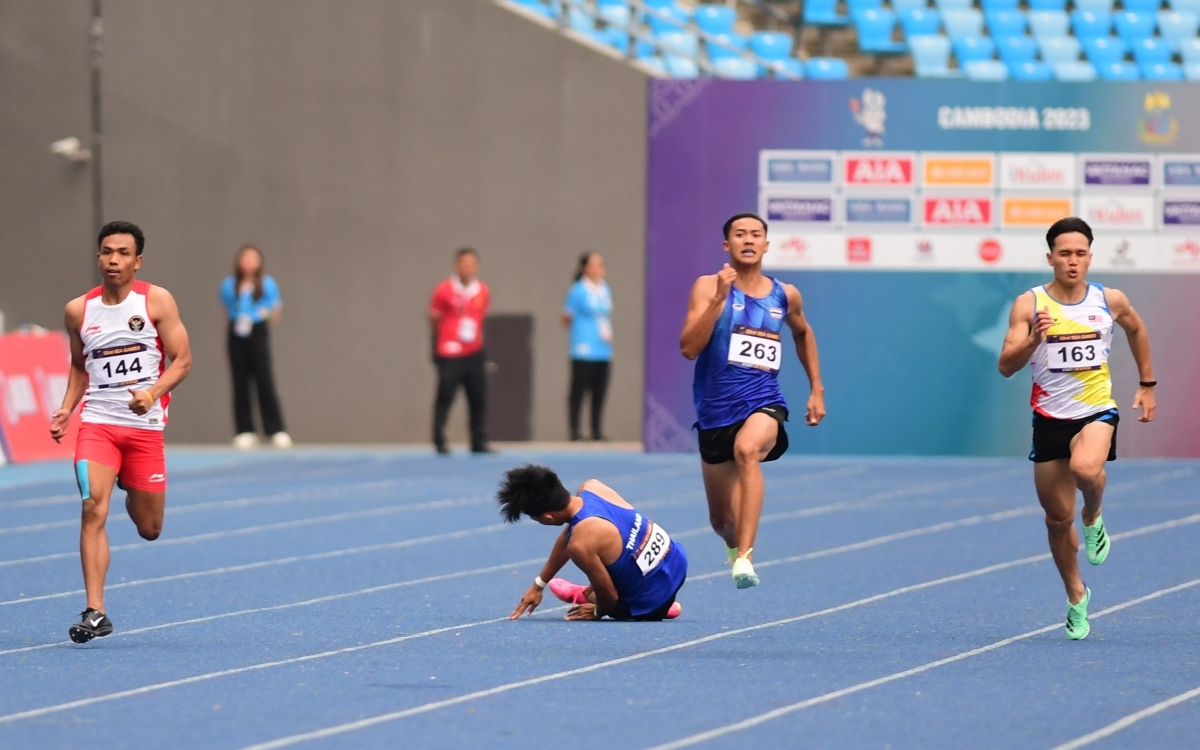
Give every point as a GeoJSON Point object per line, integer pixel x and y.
{"type": "Point", "coordinates": [716, 444]}
{"type": "Point", "coordinates": [1052, 437]}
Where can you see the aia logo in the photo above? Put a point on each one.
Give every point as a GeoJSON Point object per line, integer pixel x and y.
{"type": "Point", "coordinates": [858, 249]}
{"type": "Point", "coordinates": [958, 212]}
{"type": "Point", "coordinates": [989, 251]}
{"type": "Point", "coordinates": [879, 170]}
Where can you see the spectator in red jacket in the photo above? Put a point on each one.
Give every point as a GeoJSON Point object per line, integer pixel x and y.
{"type": "Point", "coordinates": [456, 312]}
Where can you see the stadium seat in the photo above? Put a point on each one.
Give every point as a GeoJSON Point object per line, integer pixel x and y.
{"type": "Point", "coordinates": [961, 23]}
{"type": "Point", "coordinates": [1047, 5]}
{"type": "Point", "coordinates": [615, 35]}
{"type": "Point", "coordinates": [1141, 6]}
{"type": "Point", "coordinates": [582, 22]}
{"type": "Point", "coordinates": [1006, 23]}
{"type": "Point", "coordinates": [1191, 71]}
{"type": "Point", "coordinates": [875, 29]}
{"type": "Point", "coordinates": [1175, 27]}
{"type": "Point", "coordinates": [669, 17]}
{"type": "Point", "coordinates": [549, 10]}
{"type": "Point", "coordinates": [1088, 24]}
{"type": "Point", "coordinates": [1015, 50]}
{"type": "Point", "coordinates": [716, 52]}
{"type": "Point", "coordinates": [793, 68]}
{"type": "Point", "coordinates": [1031, 71]}
{"type": "Point", "coordinates": [1151, 50]}
{"type": "Point", "coordinates": [945, 5]}
{"type": "Point", "coordinates": [824, 13]}
{"type": "Point", "coordinates": [1105, 50]}
{"type": "Point", "coordinates": [681, 67]}
{"type": "Point", "coordinates": [680, 43]}
{"type": "Point", "coordinates": [920, 22]}
{"type": "Point", "coordinates": [1059, 49]}
{"type": "Point", "coordinates": [612, 3]}
{"type": "Point", "coordinates": [987, 70]}
{"type": "Point", "coordinates": [903, 6]}
{"type": "Point", "coordinates": [1168, 71]}
{"type": "Point", "coordinates": [1094, 6]}
{"type": "Point", "coordinates": [827, 68]}
{"type": "Point", "coordinates": [736, 67]}
{"type": "Point", "coordinates": [1184, 6]}
{"type": "Point", "coordinates": [771, 45]}
{"type": "Point", "coordinates": [970, 48]}
{"type": "Point", "coordinates": [1118, 71]}
{"type": "Point", "coordinates": [857, 6]}
{"type": "Point", "coordinates": [994, 6]}
{"type": "Point", "coordinates": [1075, 72]}
{"type": "Point", "coordinates": [1134, 26]}
{"type": "Point", "coordinates": [931, 55]}
{"type": "Point", "coordinates": [1189, 50]}
{"type": "Point", "coordinates": [715, 19]}
{"type": "Point", "coordinates": [1048, 23]}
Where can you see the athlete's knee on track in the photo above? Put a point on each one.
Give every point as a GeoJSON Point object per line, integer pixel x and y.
{"type": "Point", "coordinates": [747, 452]}
{"type": "Point", "coordinates": [1087, 471]}
{"type": "Point", "coordinates": [95, 511]}
{"type": "Point", "coordinates": [149, 530]}
{"type": "Point", "coordinates": [722, 522]}
{"type": "Point", "coordinates": [1059, 526]}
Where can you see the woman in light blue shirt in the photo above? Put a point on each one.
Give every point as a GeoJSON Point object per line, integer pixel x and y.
{"type": "Point", "coordinates": [588, 312]}
{"type": "Point", "coordinates": [252, 301]}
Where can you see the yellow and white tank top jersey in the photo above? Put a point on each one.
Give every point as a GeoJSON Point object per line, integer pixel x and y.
{"type": "Point", "coordinates": [121, 352]}
{"type": "Point", "coordinates": [1071, 379]}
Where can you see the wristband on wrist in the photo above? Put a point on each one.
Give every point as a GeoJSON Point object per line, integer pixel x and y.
{"type": "Point", "coordinates": [1147, 383]}
{"type": "Point", "coordinates": [539, 582]}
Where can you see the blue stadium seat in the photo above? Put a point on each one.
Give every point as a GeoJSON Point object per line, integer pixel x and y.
{"type": "Point", "coordinates": [1191, 71]}
{"type": "Point", "coordinates": [1047, 5]}
{"type": "Point", "coordinates": [903, 6]}
{"type": "Point", "coordinates": [582, 22]}
{"type": "Point", "coordinates": [1176, 27]}
{"type": "Point", "coordinates": [993, 6]}
{"type": "Point", "coordinates": [875, 29]}
{"type": "Point", "coordinates": [987, 70]}
{"type": "Point", "coordinates": [1184, 6]}
{"type": "Point", "coordinates": [681, 67]}
{"type": "Point", "coordinates": [827, 68]}
{"type": "Point", "coordinates": [1105, 50]}
{"type": "Point", "coordinates": [1189, 50]}
{"type": "Point", "coordinates": [824, 13]}
{"type": "Point", "coordinates": [1075, 72]}
{"type": "Point", "coordinates": [1004, 23]}
{"type": "Point", "coordinates": [793, 67]}
{"type": "Point", "coordinates": [1141, 6]}
{"type": "Point", "coordinates": [1031, 71]}
{"type": "Point", "coordinates": [616, 35]}
{"type": "Point", "coordinates": [1094, 6]}
{"type": "Point", "coordinates": [771, 45]}
{"type": "Point", "coordinates": [1015, 50]}
{"type": "Point", "coordinates": [857, 6]}
{"type": "Point", "coordinates": [1168, 71]}
{"type": "Point", "coordinates": [715, 19]}
{"type": "Point", "coordinates": [920, 22]}
{"type": "Point", "coordinates": [1118, 71]}
{"type": "Point", "coordinates": [1048, 23]}
{"type": "Point", "coordinates": [1059, 49]}
{"type": "Point", "coordinates": [970, 48]}
{"type": "Point", "coordinates": [961, 23]}
{"type": "Point", "coordinates": [945, 5]}
{"type": "Point", "coordinates": [684, 43]}
{"type": "Point", "coordinates": [931, 55]}
{"type": "Point", "coordinates": [1134, 26]}
{"type": "Point", "coordinates": [1087, 24]}
{"type": "Point", "coordinates": [675, 19]}
{"type": "Point", "coordinates": [612, 3]}
{"type": "Point", "coordinates": [549, 10]}
{"type": "Point", "coordinates": [736, 67]}
{"type": "Point", "coordinates": [716, 52]}
{"type": "Point", "coordinates": [1151, 50]}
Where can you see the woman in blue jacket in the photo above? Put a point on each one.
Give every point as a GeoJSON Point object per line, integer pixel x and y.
{"type": "Point", "coordinates": [588, 311]}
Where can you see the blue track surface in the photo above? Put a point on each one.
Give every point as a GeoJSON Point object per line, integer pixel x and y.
{"type": "Point", "coordinates": [357, 599]}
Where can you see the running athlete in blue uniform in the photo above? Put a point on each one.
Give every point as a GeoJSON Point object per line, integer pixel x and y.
{"type": "Point", "coordinates": [634, 567]}
{"type": "Point", "coordinates": [734, 332]}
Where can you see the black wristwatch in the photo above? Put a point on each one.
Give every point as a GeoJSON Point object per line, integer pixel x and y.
{"type": "Point", "coordinates": [1147, 383]}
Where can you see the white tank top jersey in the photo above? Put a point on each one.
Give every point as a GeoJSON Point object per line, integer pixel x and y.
{"type": "Point", "coordinates": [121, 352]}
{"type": "Point", "coordinates": [1071, 379]}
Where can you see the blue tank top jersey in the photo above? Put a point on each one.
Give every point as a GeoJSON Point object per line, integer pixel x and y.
{"type": "Point", "coordinates": [738, 371]}
{"type": "Point", "coordinates": [651, 567]}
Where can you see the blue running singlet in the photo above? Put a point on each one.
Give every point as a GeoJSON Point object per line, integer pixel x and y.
{"type": "Point", "coordinates": [651, 567]}
{"type": "Point", "coordinates": [738, 371]}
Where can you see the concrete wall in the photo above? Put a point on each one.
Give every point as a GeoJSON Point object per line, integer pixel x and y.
{"type": "Point", "coordinates": [359, 144]}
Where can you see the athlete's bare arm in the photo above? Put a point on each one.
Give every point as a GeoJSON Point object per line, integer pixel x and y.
{"type": "Point", "coordinates": [588, 542]}
{"type": "Point", "coordinates": [604, 491]}
{"type": "Point", "coordinates": [705, 306]}
{"type": "Point", "coordinates": [532, 597]}
{"type": "Point", "coordinates": [1026, 329]}
{"type": "Point", "coordinates": [77, 380]}
{"type": "Point", "coordinates": [1139, 343]}
{"type": "Point", "coordinates": [165, 314]}
{"type": "Point", "coordinates": [806, 349]}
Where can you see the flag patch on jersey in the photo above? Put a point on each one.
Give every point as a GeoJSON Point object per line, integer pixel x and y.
{"type": "Point", "coordinates": [776, 312]}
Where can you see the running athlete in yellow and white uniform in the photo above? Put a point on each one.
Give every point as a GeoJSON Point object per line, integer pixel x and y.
{"type": "Point", "coordinates": [1063, 330]}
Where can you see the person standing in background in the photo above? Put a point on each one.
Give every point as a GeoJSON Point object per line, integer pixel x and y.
{"type": "Point", "coordinates": [456, 312]}
{"type": "Point", "coordinates": [587, 311]}
{"type": "Point", "coordinates": [252, 301]}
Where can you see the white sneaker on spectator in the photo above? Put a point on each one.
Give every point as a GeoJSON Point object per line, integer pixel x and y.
{"type": "Point", "coordinates": [245, 441]}
{"type": "Point", "coordinates": [281, 440]}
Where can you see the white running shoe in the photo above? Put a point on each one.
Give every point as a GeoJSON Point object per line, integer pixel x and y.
{"type": "Point", "coordinates": [744, 576]}
{"type": "Point", "coordinates": [281, 440]}
{"type": "Point", "coordinates": [245, 441]}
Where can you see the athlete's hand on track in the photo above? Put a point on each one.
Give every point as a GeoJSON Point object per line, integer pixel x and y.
{"type": "Point", "coordinates": [529, 602]}
{"type": "Point", "coordinates": [1145, 400]}
{"type": "Point", "coordinates": [58, 424]}
{"type": "Point", "coordinates": [141, 403]}
{"type": "Point", "coordinates": [583, 612]}
{"type": "Point", "coordinates": [725, 278]}
{"type": "Point", "coordinates": [1041, 323]}
{"type": "Point", "coordinates": [816, 409]}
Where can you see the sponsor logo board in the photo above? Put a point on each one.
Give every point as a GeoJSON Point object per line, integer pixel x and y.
{"type": "Point", "coordinates": [1181, 212]}
{"type": "Point", "coordinates": [858, 249]}
{"type": "Point", "coordinates": [796, 167]}
{"type": "Point", "coordinates": [1034, 211]}
{"type": "Point", "coordinates": [811, 209]}
{"type": "Point", "coordinates": [1037, 171]}
{"type": "Point", "coordinates": [879, 170]}
{"type": "Point", "coordinates": [958, 170]}
{"type": "Point", "coordinates": [879, 210]}
{"type": "Point", "coordinates": [1180, 171]}
{"type": "Point", "coordinates": [1099, 170]}
{"type": "Point", "coordinates": [957, 211]}
{"type": "Point", "coordinates": [1118, 211]}
{"type": "Point", "coordinates": [990, 250]}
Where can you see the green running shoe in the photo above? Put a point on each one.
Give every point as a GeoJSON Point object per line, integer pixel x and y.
{"type": "Point", "coordinates": [731, 553]}
{"type": "Point", "coordinates": [1095, 538]}
{"type": "Point", "coordinates": [1077, 622]}
{"type": "Point", "coordinates": [744, 576]}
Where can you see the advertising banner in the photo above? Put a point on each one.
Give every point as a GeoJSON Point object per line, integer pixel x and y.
{"type": "Point", "coordinates": [33, 380]}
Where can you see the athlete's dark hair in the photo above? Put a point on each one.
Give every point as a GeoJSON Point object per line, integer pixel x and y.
{"type": "Point", "coordinates": [122, 227]}
{"type": "Point", "coordinates": [466, 251]}
{"type": "Point", "coordinates": [532, 490]}
{"type": "Point", "coordinates": [583, 261]}
{"type": "Point", "coordinates": [729, 224]}
{"type": "Point", "coordinates": [1069, 224]}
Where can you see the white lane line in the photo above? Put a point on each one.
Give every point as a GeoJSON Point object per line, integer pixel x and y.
{"type": "Point", "coordinates": [1129, 720]}
{"type": "Point", "coordinates": [9, 718]}
{"type": "Point", "coordinates": [834, 695]}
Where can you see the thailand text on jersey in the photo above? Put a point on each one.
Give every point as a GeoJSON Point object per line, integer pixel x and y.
{"type": "Point", "coordinates": [122, 352]}
{"type": "Point", "coordinates": [738, 370]}
{"type": "Point", "coordinates": [1070, 372]}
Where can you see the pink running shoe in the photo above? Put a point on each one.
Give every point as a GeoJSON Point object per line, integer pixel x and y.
{"type": "Point", "coordinates": [675, 610]}
{"type": "Point", "coordinates": [571, 593]}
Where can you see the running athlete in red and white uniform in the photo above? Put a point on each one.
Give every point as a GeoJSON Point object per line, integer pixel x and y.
{"type": "Point", "coordinates": [122, 332]}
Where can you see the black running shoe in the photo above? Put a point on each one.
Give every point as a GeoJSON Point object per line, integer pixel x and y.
{"type": "Point", "coordinates": [93, 625]}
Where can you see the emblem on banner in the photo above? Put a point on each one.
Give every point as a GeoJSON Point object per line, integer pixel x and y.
{"type": "Point", "coordinates": [1158, 126]}
{"type": "Point", "coordinates": [871, 113]}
